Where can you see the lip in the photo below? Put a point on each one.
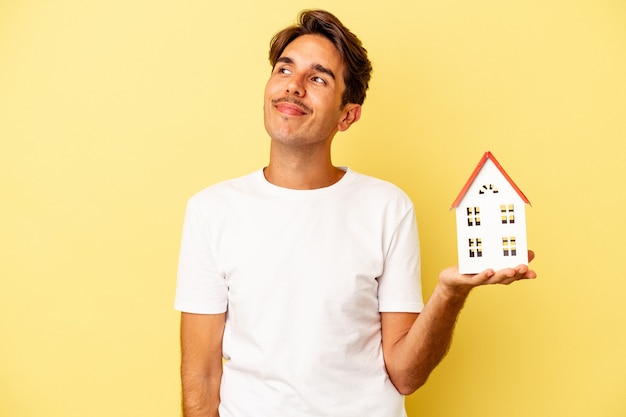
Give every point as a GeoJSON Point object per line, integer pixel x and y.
{"type": "Point", "coordinates": [290, 108]}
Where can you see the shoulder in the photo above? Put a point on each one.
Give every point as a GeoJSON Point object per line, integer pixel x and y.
{"type": "Point", "coordinates": [217, 202]}
{"type": "Point", "coordinates": [379, 189]}
{"type": "Point", "coordinates": [378, 183]}
{"type": "Point", "coordinates": [225, 190]}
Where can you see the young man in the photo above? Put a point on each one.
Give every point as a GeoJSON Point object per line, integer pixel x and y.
{"type": "Point", "coordinates": [304, 276]}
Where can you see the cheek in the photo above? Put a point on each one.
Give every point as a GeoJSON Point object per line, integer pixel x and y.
{"type": "Point", "coordinates": [272, 86]}
{"type": "Point", "coordinates": [266, 92]}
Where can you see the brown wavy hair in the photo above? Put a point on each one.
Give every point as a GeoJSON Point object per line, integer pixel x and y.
{"type": "Point", "coordinates": [354, 55]}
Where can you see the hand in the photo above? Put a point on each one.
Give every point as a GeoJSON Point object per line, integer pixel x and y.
{"type": "Point", "coordinates": [461, 284]}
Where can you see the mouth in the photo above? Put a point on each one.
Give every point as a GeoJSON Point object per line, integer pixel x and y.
{"type": "Point", "coordinates": [291, 107]}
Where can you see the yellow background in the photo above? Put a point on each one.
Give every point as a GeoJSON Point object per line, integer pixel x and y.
{"type": "Point", "coordinates": [112, 113]}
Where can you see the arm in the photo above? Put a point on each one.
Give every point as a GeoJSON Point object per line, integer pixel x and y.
{"type": "Point", "coordinates": [413, 345]}
{"type": "Point", "coordinates": [201, 363]}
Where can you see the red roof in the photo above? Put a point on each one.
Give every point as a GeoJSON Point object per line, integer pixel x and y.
{"type": "Point", "coordinates": [480, 165]}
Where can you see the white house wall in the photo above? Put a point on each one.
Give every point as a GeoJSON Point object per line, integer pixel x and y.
{"type": "Point", "coordinates": [491, 231]}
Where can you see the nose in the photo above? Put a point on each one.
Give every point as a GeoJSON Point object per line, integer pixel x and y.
{"type": "Point", "coordinates": [295, 86]}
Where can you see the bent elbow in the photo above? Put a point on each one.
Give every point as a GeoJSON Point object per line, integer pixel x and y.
{"type": "Point", "coordinates": [409, 386]}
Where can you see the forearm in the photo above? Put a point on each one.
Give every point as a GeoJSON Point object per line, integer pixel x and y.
{"type": "Point", "coordinates": [412, 349]}
{"type": "Point", "coordinates": [413, 357]}
{"type": "Point", "coordinates": [201, 363]}
{"type": "Point", "coordinates": [201, 394]}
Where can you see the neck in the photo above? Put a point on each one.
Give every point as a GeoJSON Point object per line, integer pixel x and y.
{"type": "Point", "coordinates": [302, 176]}
{"type": "Point", "coordinates": [301, 167]}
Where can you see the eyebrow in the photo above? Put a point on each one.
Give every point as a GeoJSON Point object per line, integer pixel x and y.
{"type": "Point", "coordinates": [323, 69]}
{"type": "Point", "coordinates": [317, 67]}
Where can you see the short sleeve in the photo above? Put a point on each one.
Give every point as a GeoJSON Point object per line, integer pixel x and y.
{"type": "Point", "coordinates": [399, 288]}
{"type": "Point", "coordinates": [199, 287]}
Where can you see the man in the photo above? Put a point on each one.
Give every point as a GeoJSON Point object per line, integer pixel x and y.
{"type": "Point", "coordinates": [304, 276]}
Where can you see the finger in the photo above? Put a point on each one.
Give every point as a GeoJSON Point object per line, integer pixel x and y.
{"type": "Point", "coordinates": [530, 274]}
{"type": "Point", "coordinates": [523, 271]}
{"type": "Point", "coordinates": [482, 277]}
{"type": "Point", "coordinates": [531, 255]}
{"type": "Point", "coordinates": [506, 276]}
{"type": "Point", "coordinates": [521, 274]}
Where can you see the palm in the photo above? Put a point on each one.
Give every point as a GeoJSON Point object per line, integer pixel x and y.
{"type": "Point", "coordinates": [453, 280]}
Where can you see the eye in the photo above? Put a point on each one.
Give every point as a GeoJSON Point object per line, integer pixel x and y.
{"type": "Point", "coordinates": [318, 80]}
{"type": "Point", "coordinates": [283, 70]}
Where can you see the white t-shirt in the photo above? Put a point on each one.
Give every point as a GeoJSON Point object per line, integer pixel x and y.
{"type": "Point", "coordinates": [303, 276]}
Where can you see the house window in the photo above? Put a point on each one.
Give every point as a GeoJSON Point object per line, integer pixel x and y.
{"type": "Point", "coordinates": [473, 216]}
{"type": "Point", "coordinates": [509, 246]}
{"type": "Point", "coordinates": [488, 188]}
{"type": "Point", "coordinates": [507, 213]}
{"type": "Point", "coordinates": [475, 248]}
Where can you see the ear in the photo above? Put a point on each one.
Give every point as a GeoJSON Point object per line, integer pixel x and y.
{"type": "Point", "coordinates": [351, 113]}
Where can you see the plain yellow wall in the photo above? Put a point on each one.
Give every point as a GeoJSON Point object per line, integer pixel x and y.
{"type": "Point", "coordinates": [112, 113]}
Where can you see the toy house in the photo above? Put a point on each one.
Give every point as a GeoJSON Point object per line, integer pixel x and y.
{"type": "Point", "coordinates": [490, 220]}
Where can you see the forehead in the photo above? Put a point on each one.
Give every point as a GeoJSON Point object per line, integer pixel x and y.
{"type": "Point", "coordinates": [314, 49]}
